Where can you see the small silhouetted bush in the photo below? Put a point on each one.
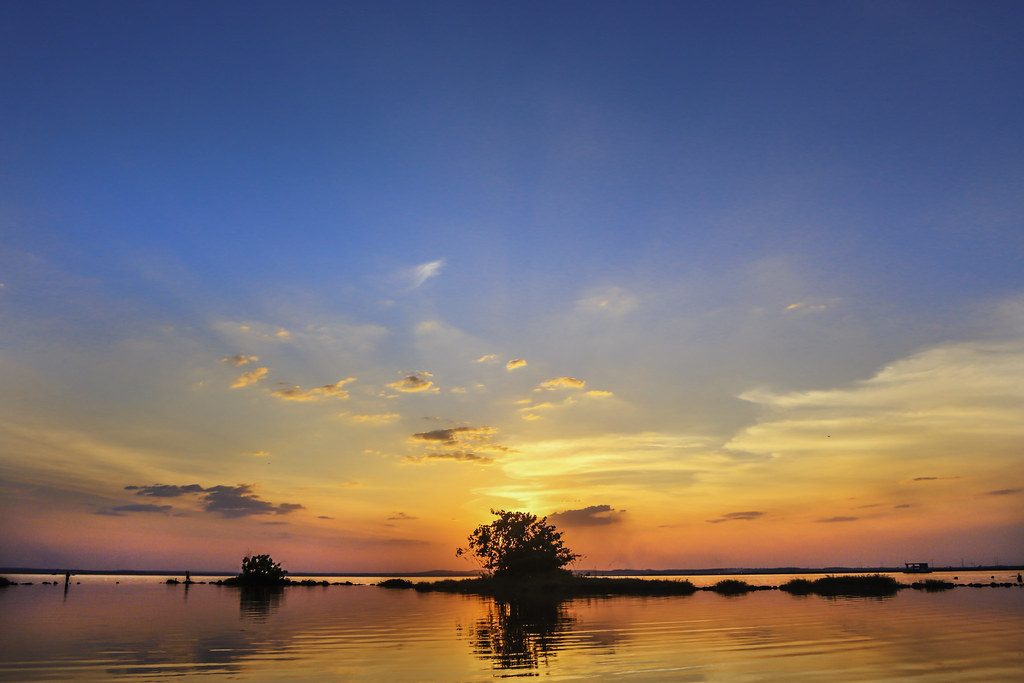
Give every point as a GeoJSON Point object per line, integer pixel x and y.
{"type": "Point", "coordinates": [396, 583]}
{"type": "Point", "coordinates": [798, 587]}
{"type": "Point", "coordinates": [4, 582]}
{"type": "Point", "coordinates": [731, 587]}
{"type": "Point", "coordinates": [857, 585]}
{"type": "Point", "coordinates": [932, 585]}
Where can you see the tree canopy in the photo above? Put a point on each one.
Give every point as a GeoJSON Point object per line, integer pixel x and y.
{"type": "Point", "coordinates": [261, 569]}
{"type": "Point", "coordinates": [518, 543]}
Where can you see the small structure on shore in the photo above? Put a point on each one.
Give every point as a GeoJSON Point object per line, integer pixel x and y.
{"type": "Point", "coordinates": [916, 568]}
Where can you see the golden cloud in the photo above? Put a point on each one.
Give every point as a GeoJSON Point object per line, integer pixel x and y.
{"type": "Point", "coordinates": [297, 393]}
{"type": "Point", "coordinates": [374, 418]}
{"type": "Point", "coordinates": [463, 444]}
{"type": "Point", "coordinates": [249, 378]}
{"type": "Point", "coordinates": [415, 384]}
{"type": "Point", "coordinates": [515, 364]}
{"type": "Point", "coordinates": [239, 359]}
{"type": "Point", "coordinates": [561, 383]}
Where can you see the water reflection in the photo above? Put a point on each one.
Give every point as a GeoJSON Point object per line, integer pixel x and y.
{"type": "Point", "coordinates": [521, 634]}
{"type": "Point", "coordinates": [258, 603]}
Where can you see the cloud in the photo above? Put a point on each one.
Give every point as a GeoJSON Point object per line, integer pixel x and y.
{"type": "Point", "coordinates": [297, 393]}
{"type": "Point", "coordinates": [600, 393]}
{"type": "Point", "coordinates": [902, 506]}
{"type": "Point", "coordinates": [487, 358]}
{"type": "Point", "coordinates": [227, 501]}
{"type": "Point", "coordinates": [120, 510]}
{"type": "Point", "coordinates": [417, 275]}
{"type": "Point", "coordinates": [164, 490]}
{"type": "Point", "coordinates": [239, 501]}
{"type": "Point", "coordinates": [455, 434]}
{"type": "Point", "coordinates": [737, 516]}
{"type": "Point", "coordinates": [831, 520]}
{"type": "Point", "coordinates": [932, 478]}
{"type": "Point", "coordinates": [593, 515]}
{"type": "Point", "coordinates": [515, 364]}
{"type": "Point", "coordinates": [239, 359]}
{"type": "Point", "coordinates": [324, 517]}
{"type": "Point", "coordinates": [614, 301]}
{"type": "Point", "coordinates": [810, 306]}
{"type": "Point", "coordinates": [561, 383]}
{"type": "Point", "coordinates": [248, 378]}
{"type": "Point", "coordinates": [259, 454]}
{"type": "Point", "coordinates": [415, 384]}
{"type": "Point", "coordinates": [936, 410]}
{"type": "Point", "coordinates": [374, 418]}
{"type": "Point", "coordinates": [400, 517]}
{"type": "Point", "coordinates": [463, 444]}
{"type": "Point", "coordinates": [1003, 492]}
{"type": "Point", "coordinates": [458, 456]}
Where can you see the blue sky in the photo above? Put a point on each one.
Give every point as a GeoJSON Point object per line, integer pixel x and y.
{"type": "Point", "coordinates": [681, 202]}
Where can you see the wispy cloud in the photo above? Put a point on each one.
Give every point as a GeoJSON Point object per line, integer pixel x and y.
{"type": "Point", "coordinates": [401, 517]}
{"type": "Point", "coordinates": [1004, 492]}
{"type": "Point", "coordinates": [249, 378]}
{"type": "Point", "coordinates": [737, 516]}
{"type": "Point", "coordinates": [487, 358]}
{"type": "Point", "coordinates": [121, 510]}
{"type": "Point", "coordinates": [614, 301]}
{"type": "Point", "coordinates": [297, 393]}
{"type": "Point", "coordinates": [239, 359]}
{"type": "Point", "coordinates": [417, 275]}
{"type": "Point", "coordinates": [373, 418]}
{"type": "Point", "coordinates": [515, 364]}
{"type": "Point", "coordinates": [561, 383]}
{"type": "Point", "coordinates": [836, 519]}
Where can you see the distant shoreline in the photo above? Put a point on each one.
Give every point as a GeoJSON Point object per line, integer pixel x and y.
{"type": "Point", "coordinates": [462, 574]}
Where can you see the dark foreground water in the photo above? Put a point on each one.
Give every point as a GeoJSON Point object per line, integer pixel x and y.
{"type": "Point", "coordinates": [140, 629]}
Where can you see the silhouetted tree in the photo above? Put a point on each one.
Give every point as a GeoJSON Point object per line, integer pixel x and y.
{"type": "Point", "coordinates": [518, 543]}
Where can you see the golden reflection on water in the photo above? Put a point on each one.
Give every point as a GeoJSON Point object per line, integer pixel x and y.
{"type": "Point", "coordinates": [151, 632]}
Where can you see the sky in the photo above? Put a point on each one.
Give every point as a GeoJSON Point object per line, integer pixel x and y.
{"type": "Point", "coordinates": [706, 284]}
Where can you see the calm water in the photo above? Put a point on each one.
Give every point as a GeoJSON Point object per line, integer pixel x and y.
{"type": "Point", "coordinates": [141, 629]}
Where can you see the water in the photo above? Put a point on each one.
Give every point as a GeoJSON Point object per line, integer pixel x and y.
{"type": "Point", "coordinates": [141, 629]}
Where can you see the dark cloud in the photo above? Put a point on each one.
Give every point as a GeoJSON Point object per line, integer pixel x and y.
{"type": "Point", "coordinates": [1003, 492]}
{"type": "Point", "coordinates": [593, 515]}
{"type": "Point", "coordinates": [831, 520]}
{"type": "Point", "coordinates": [461, 444]}
{"type": "Point", "coordinates": [401, 517]}
{"type": "Point", "coordinates": [120, 510]}
{"type": "Point", "coordinates": [323, 517]}
{"type": "Point", "coordinates": [903, 506]}
{"type": "Point", "coordinates": [227, 501]}
{"type": "Point", "coordinates": [164, 490]}
{"type": "Point", "coordinates": [445, 435]}
{"type": "Point", "coordinates": [746, 515]}
{"type": "Point", "coordinates": [933, 478]}
{"type": "Point", "coordinates": [458, 456]}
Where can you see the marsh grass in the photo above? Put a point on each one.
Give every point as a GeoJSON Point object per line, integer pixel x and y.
{"type": "Point", "coordinates": [558, 584]}
{"type": "Point", "coordinates": [857, 585]}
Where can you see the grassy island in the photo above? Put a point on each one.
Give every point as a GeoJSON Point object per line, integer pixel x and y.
{"type": "Point", "coordinates": [557, 584]}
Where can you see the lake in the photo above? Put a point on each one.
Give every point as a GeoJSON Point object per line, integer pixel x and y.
{"type": "Point", "coordinates": [141, 629]}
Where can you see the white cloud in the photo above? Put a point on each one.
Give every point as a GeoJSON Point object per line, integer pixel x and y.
{"type": "Point", "coordinates": [417, 275]}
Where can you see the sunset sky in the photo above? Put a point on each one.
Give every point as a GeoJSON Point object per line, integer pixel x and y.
{"type": "Point", "coordinates": [707, 284]}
